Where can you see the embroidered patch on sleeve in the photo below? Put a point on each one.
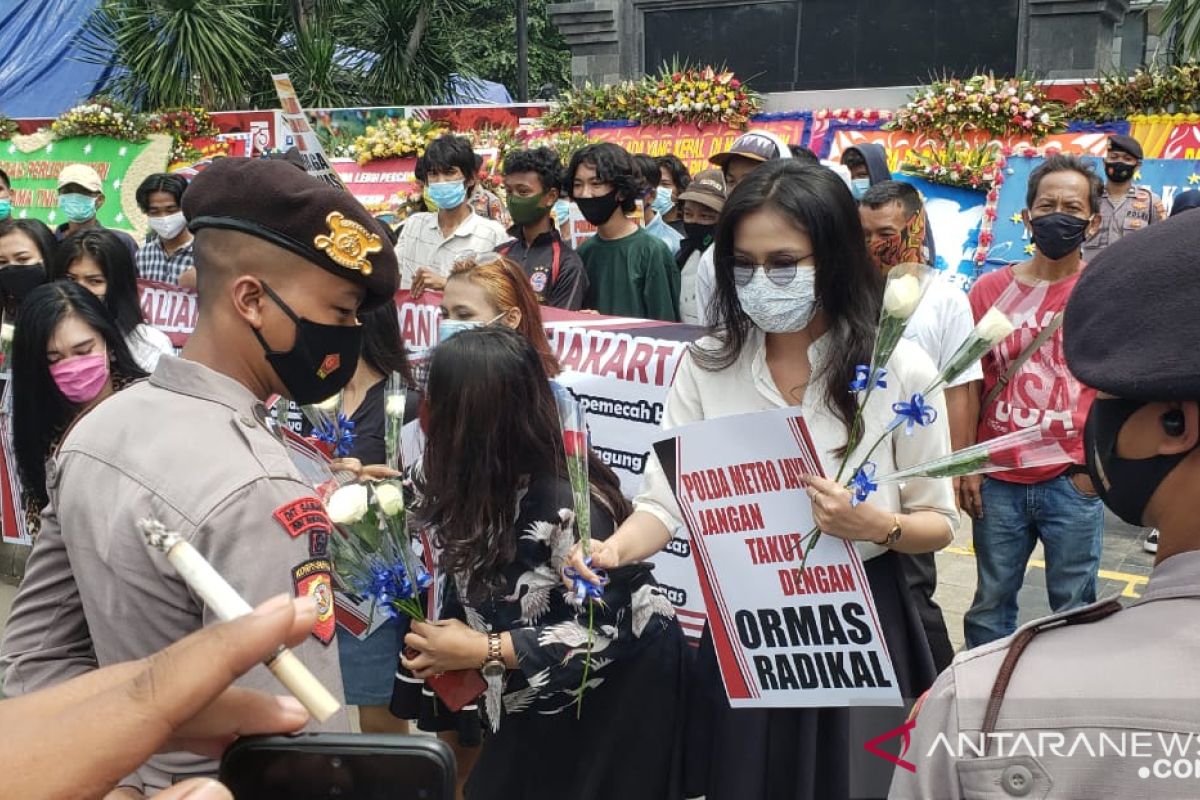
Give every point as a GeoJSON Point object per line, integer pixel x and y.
{"type": "Point", "coordinates": [303, 516]}
{"type": "Point", "coordinates": [314, 578]}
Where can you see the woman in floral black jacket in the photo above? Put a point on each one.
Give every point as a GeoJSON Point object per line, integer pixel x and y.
{"type": "Point", "coordinates": [494, 488]}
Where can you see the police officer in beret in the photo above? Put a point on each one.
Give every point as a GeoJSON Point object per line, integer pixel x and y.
{"type": "Point", "coordinates": [1024, 716]}
{"type": "Point", "coordinates": [1124, 207]}
{"type": "Point", "coordinates": [285, 262]}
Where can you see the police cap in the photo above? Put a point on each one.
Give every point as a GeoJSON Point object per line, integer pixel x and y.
{"type": "Point", "coordinates": [275, 199]}
{"type": "Point", "coordinates": [1131, 325]}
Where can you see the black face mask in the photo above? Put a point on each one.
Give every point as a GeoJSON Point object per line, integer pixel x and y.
{"type": "Point", "coordinates": [1124, 484]}
{"type": "Point", "coordinates": [1058, 235]}
{"type": "Point", "coordinates": [322, 359]}
{"type": "Point", "coordinates": [1119, 172]}
{"type": "Point", "coordinates": [19, 280]}
{"type": "Point", "coordinates": [699, 234]}
{"type": "Point", "coordinates": [597, 210]}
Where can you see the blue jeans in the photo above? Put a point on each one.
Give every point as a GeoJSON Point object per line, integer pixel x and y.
{"type": "Point", "coordinates": [1071, 527]}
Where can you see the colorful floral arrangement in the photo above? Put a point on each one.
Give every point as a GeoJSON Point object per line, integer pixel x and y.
{"type": "Point", "coordinates": [592, 103]}
{"type": "Point", "coordinates": [700, 96]}
{"type": "Point", "coordinates": [677, 95]}
{"type": "Point", "coordinates": [1149, 91]}
{"type": "Point", "coordinates": [8, 128]}
{"type": "Point", "coordinates": [958, 164]}
{"type": "Point", "coordinates": [183, 125]}
{"type": "Point", "coordinates": [998, 106]}
{"type": "Point", "coordinates": [394, 138]}
{"type": "Point", "coordinates": [100, 117]}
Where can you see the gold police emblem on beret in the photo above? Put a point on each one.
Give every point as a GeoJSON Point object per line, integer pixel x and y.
{"type": "Point", "coordinates": [348, 243]}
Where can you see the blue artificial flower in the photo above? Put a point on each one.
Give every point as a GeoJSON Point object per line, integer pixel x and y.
{"type": "Point", "coordinates": [863, 483]}
{"type": "Point", "coordinates": [861, 381]}
{"type": "Point", "coordinates": [913, 413]}
{"type": "Point", "coordinates": [339, 436]}
{"type": "Point", "coordinates": [581, 588]}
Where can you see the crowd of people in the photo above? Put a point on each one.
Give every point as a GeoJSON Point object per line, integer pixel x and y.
{"type": "Point", "coordinates": [777, 257]}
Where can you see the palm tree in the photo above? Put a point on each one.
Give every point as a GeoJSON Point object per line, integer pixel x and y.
{"type": "Point", "coordinates": [1184, 16]}
{"type": "Point", "coordinates": [177, 52]}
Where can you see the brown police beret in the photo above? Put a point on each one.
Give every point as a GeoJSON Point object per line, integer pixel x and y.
{"type": "Point", "coordinates": [276, 200]}
{"type": "Point", "coordinates": [1131, 324]}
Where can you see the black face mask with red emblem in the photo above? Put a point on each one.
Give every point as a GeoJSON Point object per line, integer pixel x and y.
{"type": "Point", "coordinates": [322, 359]}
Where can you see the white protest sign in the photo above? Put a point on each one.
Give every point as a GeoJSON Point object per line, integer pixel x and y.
{"type": "Point", "coordinates": [302, 134]}
{"type": "Point", "coordinates": [784, 637]}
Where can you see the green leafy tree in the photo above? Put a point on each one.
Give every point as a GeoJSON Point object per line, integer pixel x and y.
{"type": "Point", "coordinates": [177, 52]}
{"type": "Point", "coordinates": [485, 36]}
{"type": "Point", "coordinates": [1184, 15]}
{"type": "Point", "coordinates": [221, 53]}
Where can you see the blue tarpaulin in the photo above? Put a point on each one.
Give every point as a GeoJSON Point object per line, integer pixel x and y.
{"type": "Point", "coordinates": [39, 73]}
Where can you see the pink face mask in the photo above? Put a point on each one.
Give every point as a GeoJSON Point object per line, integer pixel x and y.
{"type": "Point", "coordinates": [81, 378]}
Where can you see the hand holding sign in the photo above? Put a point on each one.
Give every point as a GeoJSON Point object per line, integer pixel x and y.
{"type": "Point", "coordinates": [427, 279]}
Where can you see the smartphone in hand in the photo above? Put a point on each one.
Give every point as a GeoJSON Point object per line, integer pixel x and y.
{"type": "Point", "coordinates": [326, 766]}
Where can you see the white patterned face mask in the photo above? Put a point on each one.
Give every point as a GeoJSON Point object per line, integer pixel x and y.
{"type": "Point", "coordinates": [780, 309]}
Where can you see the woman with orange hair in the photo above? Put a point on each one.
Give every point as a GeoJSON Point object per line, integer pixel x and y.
{"type": "Point", "coordinates": [486, 289]}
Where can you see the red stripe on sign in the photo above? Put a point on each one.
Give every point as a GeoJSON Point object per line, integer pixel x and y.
{"type": "Point", "coordinates": [348, 618]}
{"type": "Point", "coordinates": [733, 669]}
{"type": "Point", "coordinates": [683, 612]}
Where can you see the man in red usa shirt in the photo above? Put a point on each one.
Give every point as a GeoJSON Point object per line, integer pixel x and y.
{"type": "Point", "coordinates": [1057, 504]}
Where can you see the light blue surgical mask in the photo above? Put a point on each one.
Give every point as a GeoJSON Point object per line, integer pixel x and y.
{"type": "Point", "coordinates": [5, 208]}
{"type": "Point", "coordinates": [859, 186]}
{"type": "Point", "coordinates": [663, 200]}
{"type": "Point", "coordinates": [448, 194]}
{"type": "Point", "coordinates": [449, 327]}
{"type": "Point", "coordinates": [77, 207]}
{"type": "Point", "coordinates": [562, 212]}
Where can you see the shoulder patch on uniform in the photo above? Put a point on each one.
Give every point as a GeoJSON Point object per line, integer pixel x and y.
{"type": "Point", "coordinates": [314, 578]}
{"type": "Point", "coordinates": [303, 516]}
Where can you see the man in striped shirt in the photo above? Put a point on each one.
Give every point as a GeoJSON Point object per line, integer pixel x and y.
{"type": "Point", "coordinates": [168, 255]}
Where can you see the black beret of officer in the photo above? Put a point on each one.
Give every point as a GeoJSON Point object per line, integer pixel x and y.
{"type": "Point", "coordinates": [276, 200]}
{"type": "Point", "coordinates": [1132, 323]}
{"type": "Point", "coordinates": [1126, 144]}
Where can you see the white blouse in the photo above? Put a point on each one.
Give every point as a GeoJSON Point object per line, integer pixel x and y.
{"type": "Point", "coordinates": [746, 386]}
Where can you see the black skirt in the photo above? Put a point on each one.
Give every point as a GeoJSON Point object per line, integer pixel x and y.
{"type": "Point", "coordinates": [627, 744]}
{"type": "Point", "coordinates": [806, 753]}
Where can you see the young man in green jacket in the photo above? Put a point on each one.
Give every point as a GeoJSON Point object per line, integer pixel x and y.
{"type": "Point", "coordinates": [630, 273]}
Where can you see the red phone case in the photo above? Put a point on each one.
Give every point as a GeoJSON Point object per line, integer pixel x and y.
{"type": "Point", "coordinates": [458, 688]}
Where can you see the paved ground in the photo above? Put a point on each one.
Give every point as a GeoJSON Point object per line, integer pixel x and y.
{"type": "Point", "coordinates": [1124, 567]}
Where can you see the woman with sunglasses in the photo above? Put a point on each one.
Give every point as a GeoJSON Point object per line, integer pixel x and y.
{"type": "Point", "coordinates": [799, 303]}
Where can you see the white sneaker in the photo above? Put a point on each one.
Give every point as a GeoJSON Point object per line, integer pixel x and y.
{"type": "Point", "coordinates": [1150, 545]}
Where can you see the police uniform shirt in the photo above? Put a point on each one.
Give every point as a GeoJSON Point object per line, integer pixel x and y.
{"type": "Point", "coordinates": [1138, 208]}
{"type": "Point", "coordinates": [190, 448]}
{"type": "Point", "coordinates": [1125, 685]}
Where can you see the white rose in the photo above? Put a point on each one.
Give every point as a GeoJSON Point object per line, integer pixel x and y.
{"type": "Point", "coordinates": [394, 407]}
{"type": "Point", "coordinates": [6, 333]}
{"type": "Point", "coordinates": [902, 295]}
{"type": "Point", "coordinates": [389, 498]}
{"type": "Point", "coordinates": [348, 504]}
{"type": "Point", "coordinates": [329, 405]}
{"type": "Point", "coordinates": [994, 327]}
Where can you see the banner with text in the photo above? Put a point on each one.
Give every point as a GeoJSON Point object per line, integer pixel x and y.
{"type": "Point", "coordinates": [304, 138]}
{"type": "Point", "coordinates": [900, 143]}
{"type": "Point", "coordinates": [122, 166]}
{"type": "Point", "coordinates": [693, 144]}
{"type": "Point", "coordinates": [784, 637]}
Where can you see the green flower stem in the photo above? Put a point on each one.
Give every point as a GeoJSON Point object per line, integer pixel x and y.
{"type": "Point", "coordinates": [587, 658]}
